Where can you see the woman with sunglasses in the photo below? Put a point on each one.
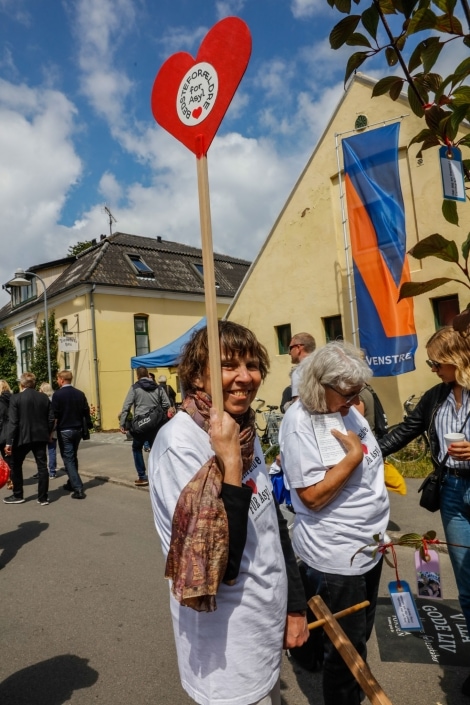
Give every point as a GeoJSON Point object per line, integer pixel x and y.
{"type": "Point", "coordinates": [340, 508]}
{"type": "Point", "coordinates": [445, 408]}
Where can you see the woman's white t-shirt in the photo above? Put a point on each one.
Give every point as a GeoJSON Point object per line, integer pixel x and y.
{"type": "Point", "coordinates": [231, 656]}
{"type": "Point", "coordinates": [326, 539]}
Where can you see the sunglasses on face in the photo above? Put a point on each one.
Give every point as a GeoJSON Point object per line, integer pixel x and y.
{"type": "Point", "coordinates": [433, 363]}
{"type": "Point", "coordinates": [295, 345]}
{"type": "Point", "coordinates": [348, 398]}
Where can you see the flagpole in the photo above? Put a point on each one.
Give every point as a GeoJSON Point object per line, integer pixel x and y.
{"type": "Point", "coordinates": [347, 246]}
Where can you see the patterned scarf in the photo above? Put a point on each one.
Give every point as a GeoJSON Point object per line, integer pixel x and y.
{"type": "Point", "coordinates": [198, 555]}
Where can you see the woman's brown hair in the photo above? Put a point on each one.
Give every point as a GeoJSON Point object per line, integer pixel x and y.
{"type": "Point", "coordinates": [235, 341]}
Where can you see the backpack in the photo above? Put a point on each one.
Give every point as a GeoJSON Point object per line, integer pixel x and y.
{"type": "Point", "coordinates": [380, 417]}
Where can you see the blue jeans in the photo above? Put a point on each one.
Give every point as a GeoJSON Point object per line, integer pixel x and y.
{"type": "Point", "coordinates": [69, 440]}
{"type": "Point", "coordinates": [338, 592]}
{"type": "Point", "coordinates": [137, 445]}
{"type": "Point", "coordinates": [455, 513]}
{"type": "Point", "coordinates": [52, 453]}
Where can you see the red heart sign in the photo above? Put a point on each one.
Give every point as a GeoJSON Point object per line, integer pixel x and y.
{"type": "Point", "coordinates": [190, 96]}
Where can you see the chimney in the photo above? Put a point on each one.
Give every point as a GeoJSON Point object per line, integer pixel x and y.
{"type": "Point", "coordinates": [102, 237]}
{"type": "Point", "coordinates": [93, 242]}
{"type": "Point", "coordinates": [159, 238]}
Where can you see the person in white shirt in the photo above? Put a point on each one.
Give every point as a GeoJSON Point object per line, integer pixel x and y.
{"type": "Point", "coordinates": [229, 639]}
{"type": "Point", "coordinates": [340, 508]}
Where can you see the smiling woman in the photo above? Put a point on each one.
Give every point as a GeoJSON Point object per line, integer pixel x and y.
{"type": "Point", "coordinates": [226, 543]}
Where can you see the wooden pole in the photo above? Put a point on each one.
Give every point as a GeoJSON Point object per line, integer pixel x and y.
{"type": "Point", "coordinates": [338, 615]}
{"type": "Point", "coordinates": [209, 280]}
{"type": "Point", "coordinates": [353, 660]}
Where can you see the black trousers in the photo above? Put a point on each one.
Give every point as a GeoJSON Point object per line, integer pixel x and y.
{"type": "Point", "coordinates": [39, 450]}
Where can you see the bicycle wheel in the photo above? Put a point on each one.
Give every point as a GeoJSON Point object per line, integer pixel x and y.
{"type": "Point", "coordinates": [414, 451]}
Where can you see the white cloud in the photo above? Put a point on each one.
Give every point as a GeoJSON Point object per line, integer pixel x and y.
{"type": "Point", "coordinates": [226, 8]}
{"type": "Point", "coordinates": [307, 8]}
{"type": "Point", "coordinates": [37, 169]}
{"type": "Point", "coordinates": [100, 27]}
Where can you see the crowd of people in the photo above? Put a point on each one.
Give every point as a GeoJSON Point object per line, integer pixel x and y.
{"type": "Point", "coordinates": [34, 422]}
{"type": "Point", "coordinates": [239, 584]}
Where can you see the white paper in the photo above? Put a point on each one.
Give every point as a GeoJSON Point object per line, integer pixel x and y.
{"type": "Point", "coordinates": [452, 179]}
{"type": "Point", "coordinates": [405, 609]}
{"type": "Point", "coordinates": [331, 450]}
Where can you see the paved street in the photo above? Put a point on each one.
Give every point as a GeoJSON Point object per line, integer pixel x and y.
{"type": "Point", "coordinates": [84, 608]}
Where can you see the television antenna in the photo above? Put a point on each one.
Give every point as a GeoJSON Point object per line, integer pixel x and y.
{"type": "Point", "coordinates": [111, 219]}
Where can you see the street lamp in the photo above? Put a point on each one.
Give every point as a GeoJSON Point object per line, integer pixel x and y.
{"type": "Point", "coordinates": [21, 280]}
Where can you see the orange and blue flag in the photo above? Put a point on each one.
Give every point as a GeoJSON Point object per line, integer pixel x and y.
{"type": "Point", "coordinates": [376, 217]}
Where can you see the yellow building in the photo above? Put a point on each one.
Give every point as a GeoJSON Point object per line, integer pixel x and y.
{"type": "Point", "coordinates": [299, 280]}
{"type": "Point", "coordinates": [124, 296]}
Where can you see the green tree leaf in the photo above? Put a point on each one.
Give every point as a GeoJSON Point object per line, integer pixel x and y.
{"type": "Point", "coordinates": [461, 96]}
{"type": "Point", "coordinates": [358, 40]}
{"type": "Point", "coordinates": [466, 247]}
{"type": "Point", "coordinates": [422, 19]}
{"type": "Point", "coordinates": [385, 84]}
{"type": "Point", "coordinates": [449, 211]}
{"type": "Point", "coordinates": [8, 359]}
{"type": "Point", "coordinates": [354, 61]}
{"type": "Point", "coordinates": [370, 20]}
{"type": "Point", "coordinates": [414, 102]}
{"type": "Point", "coordinates": [343, 30]}
{"type": "Point", "coordinates": [39, 361]}
{"type": "Point", "coordinates": [436, 246]}
{"type": "Point", "coordinates": [432, 47]}
{"type": "Point", "coordinates": [448, 24]}
{"type": "Point", "coordinates": [391, 56]}
{"type": "Point", "coordinates": [410, 289]}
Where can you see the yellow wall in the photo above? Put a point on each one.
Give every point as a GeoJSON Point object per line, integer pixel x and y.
{"type": "Point", "coordinates": [300, 275]}
{"type": "Point", "coordinates": [115, 340]}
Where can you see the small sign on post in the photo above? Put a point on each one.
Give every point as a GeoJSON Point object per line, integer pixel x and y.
{"type": "Point", "coordinates": [68, 344]}
{"type": "Point", "coordinates": [189, 99]}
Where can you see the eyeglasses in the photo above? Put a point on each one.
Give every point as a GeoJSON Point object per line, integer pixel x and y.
{"type": "Point", "coordinates": [433, 363]}
{"type": "Point", "coordinates": [348, 398]}
{"type": "Point", "coordinates": [296, 345]}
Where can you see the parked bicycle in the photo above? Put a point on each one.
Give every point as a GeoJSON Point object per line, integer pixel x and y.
{"type": "Point", "coordinates": [268, 428]}
{"type": "Point", "coordinates": [416, 449]}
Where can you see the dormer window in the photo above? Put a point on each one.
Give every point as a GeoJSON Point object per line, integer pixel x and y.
{"type": "Point", "coordinates": [199, 267]}
{"type": "Point", "coordinates": [21, 294]}
{"type": "Point", "coordinates": [141, 267]}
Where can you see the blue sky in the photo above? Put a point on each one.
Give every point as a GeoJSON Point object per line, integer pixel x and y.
{"type": "Point", "coordinates": [77, 133]}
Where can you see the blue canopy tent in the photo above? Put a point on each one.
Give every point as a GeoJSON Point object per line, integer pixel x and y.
{"type": "Point", "coordinates": [169, 354]}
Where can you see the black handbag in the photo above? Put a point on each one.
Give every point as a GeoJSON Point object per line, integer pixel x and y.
{"type": "Point", "coordinates": [431, 489]}
{"type": "Point", "coordinates": [85, 430]}
{"type": "Point", "coordinates": [148, 423]}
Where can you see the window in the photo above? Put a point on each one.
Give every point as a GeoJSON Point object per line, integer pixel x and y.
{"type": "Point", "coordinates": [65, 327]}
{"type": "Point", "coordinates": [283, 338]}
{"type": "Point", "coordinates": [141, 335]}
{"type": "Point", "coordinates": [142, 269]}
{"type": "Point", "coordinates": [200, 270]}
{"type": "Point", "coordinates": [20, 294]}
{"type": "Point", "coordinates": [26, 352]}
{"type": "Point", "coordinates": [445, 309]}
{"type": "Point", "coordinates": [333, 328]}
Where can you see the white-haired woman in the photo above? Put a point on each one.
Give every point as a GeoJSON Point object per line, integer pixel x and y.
{"type": "Point", "coordinates": [46, 388]}
{"type": "Point", "coordinates": [340, 508]}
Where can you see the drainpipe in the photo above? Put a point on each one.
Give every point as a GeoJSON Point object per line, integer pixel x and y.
{"type": "Point", "coordinates": [95, 357]}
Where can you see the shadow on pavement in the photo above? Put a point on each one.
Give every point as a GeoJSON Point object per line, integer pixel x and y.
{"type": "Point", "coordinates": [12, 541]}
{"type": "Point", "coordinates": [52, 682]}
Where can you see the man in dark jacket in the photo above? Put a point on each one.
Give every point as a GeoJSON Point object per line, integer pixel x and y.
{"type": "Point", "coordinates": [144, 396]}
{"type": "Point", "coordinates": [72, 414]}
{"type": "Point", "coordinates": [29, 428]}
